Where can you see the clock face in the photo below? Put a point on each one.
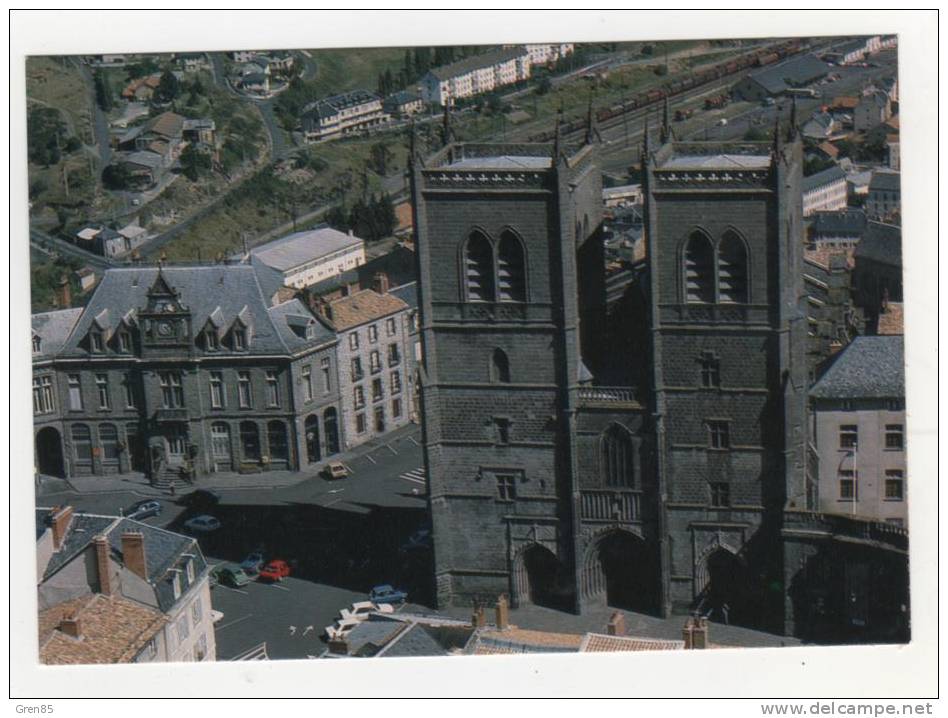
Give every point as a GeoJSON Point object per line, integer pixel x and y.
{"type": "Point", "coordinates": [164, 329]}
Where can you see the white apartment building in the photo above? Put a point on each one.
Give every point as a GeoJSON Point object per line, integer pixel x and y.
{"type": "Point", "coordinates": [544, 54]}
{"type": "Point", "coordinates": [305, 258]}
{"type": "Point", "coordinates": [340, 115]}
{"type": "Point", "coordinates": [475, 75]}
{"type": "Point", "coordinates": [825, 190]}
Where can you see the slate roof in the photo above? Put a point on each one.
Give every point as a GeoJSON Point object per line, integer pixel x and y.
{"type": "Point", "coordinates": [885, 182]}
{"type": "Point", "coordinates": [502, 162]}
{"type": "Point", "coordinates": [796, 72]}
{"type": "Point", "coordinates": [79, 534]}
{"type": "Point", "coordinates": [717, 161]}
{"type": "Point", "coordinates": [295, 314]}
{"type": "Point", "coordinates": [332, 106]}
{"type": "Point", "coordinates": [418, 640]}
{"type": "Point", "coordinates": [398, 265]}
{"type": "Point", "coordinates": [881, 242]}
{"type": "Point", "coordinates": [599, 643]}
{"type": "Point", "coordinates": [402, 97]}
{"type": "Point", "coordinates": [363, 306]}
{"type": "Point", "coordinates": [53, 329]}
{"type": "Point", "coordinates": [871, 367]}
{"type": "Point", "coordinates": [225, 290]}
{"type": "Point", "coordinates": [294, 250]}
{"type": "Point", "coordinates": [824, 177]}
{"type": "Point", "coordinates": [408, 293]}
{"type": "Point", "coordinates": [844, 222]}
{"type": "Point", "coordinates": [167, 124]}
{"type": "Point", "coordinates": [476, 62]}
{"type": "Point", "coordinates": [368, 638]}
{"type": "Point", "coordinates": [145, 159]}
{"type": "Point", "coordinates": [846, 48]}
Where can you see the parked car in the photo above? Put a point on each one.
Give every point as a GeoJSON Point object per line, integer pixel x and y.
{"type": "Point", "coordinates": [341, 628]}
{"type": "Point", "coordinates": [335, 470]}
{"type": "Point", "coordinates": [253, 563]}
{"type": "Point", "coordinates": [202, 499]}
{"type": "Point", "coordinates": [143, 509]}
{"type": "Point", "coordinates": [361, 610]}
{"type": "Point", "coordinates": [202, 524]}
{"type": "Point", "coordinates": [276, 570]}
{"type": "Point", "coordinates": [386, 594]}
{"type": "Point", "coordinates": [233, 576]}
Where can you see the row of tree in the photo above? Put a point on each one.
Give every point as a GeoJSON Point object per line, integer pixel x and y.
{"type": "Point", "coordinates": [371, 220]}
{"type": "Point", "coordinates": [47, 137]}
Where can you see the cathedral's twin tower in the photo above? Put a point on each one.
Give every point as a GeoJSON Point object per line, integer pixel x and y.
{"type": "Point", "coordinates": [554, 488]}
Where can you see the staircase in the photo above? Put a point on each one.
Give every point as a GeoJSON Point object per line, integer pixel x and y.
{"type": "Point", "coordinates": [166, 475]}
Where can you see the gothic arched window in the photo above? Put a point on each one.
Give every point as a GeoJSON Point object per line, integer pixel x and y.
{"type": "Point", "coordinates": [479, 268]}
{"type": "Point", "coordinates": [618, 457]}
{"type": "Point", "coordinates": [500, 367]}
{"type": "Point", "coordinates": [699, 269]}
{"type": "Point", "coordinates": [511, 280]}
{"type": "Point", "coordinates": [732, 269]}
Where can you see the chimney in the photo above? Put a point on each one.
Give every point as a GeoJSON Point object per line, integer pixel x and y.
{"type": "Point", "coordinates": [478, 619]}
{"type": "Point", "coordinates": [687, 633]}
{"type": "Point", "coordinates": [380, 282]}
{"type": "Point", "coordinates": [339, 646]}
{"type": "Point", "coordinates": [102, 555]}
{"type": "Point", "coordinates": [58, 520]}
{"type": "Point", "coordinates": [503, 613]}
{"type": "Point", "coordinates": [616, 625]}
{"type": "Point", "coordinates": [71, 625]}
{"type": "Point", "coordinates": [699, 635]}
{"type": "Point", "coordinates": [133, 553]}
{"type": "Point", "coordinates": [64, 293]}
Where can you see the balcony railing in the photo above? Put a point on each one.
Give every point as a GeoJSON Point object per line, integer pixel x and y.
{"type": "Point", "coordinates": [611, 505]}
{"type": "Point", "coordinates": [171, 414]}
{"type": "Point", "coordinates": [607, 395]}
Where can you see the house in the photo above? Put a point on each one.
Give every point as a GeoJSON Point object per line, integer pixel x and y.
{"type": "Point", "coordinates": [884, 199]}
{"type": "Point", "coordinates": [893, 160]}
{"type": "Point", "coordinates": [341, 115]}
{"type": "Point", "coordinates": [145, 168]}
{"type": "Point", "coordinates": [837, 229]}
{"type": "Point", "coordinates": [820, 126]}
{"type": "Point", "coordinates": [86, 278]}
{"type": "Point", "coordinates": [279, 62]}
{"type": "Point", "coordinates": [776, 80]}
{"type": "Point", "coordinates": [873, 109]}
{"type": "Point", "coordinates": [397, 265]}
{"type": "Point", "coordinates": [548, 54]}
{"type": "Point", "coordinates": [141, 89]}
{"type": "Point", "coordinates": [191, 61]}
{"type": "Point", "coordinates": [622, 196]}
{"type": "Point", "coordinates": [404, 103]}
{"type": "Point", "coordinates": [199, 131]}
{"type": "Point", "coordinates": [825, 190]}
{"type": "Point", "coordinates": [241, 56]}
{"type": "Point", "coordinates": [877, 271]}
{"type": "Point", "coordinates": [858, 425]}
{"type": "Point", "coordinates": [844, 104]}
{"type": "Point", "coordinates": [101, 240]}
{"type": "Point", "coordinates": [113, 590]}
{"type": "Point", "coordinates": [825, 151]}
{"type": "Point", "coordinates": [256, 82]}
{"type": "Point", "coordinates": [832, 319]}
{"type": "Point", "coordinates": [305, 258]}
{"type": "Point", "coordinates": [134, 235]}
{"type": "Point", "coordinates": [851, 52]}
{"type": "Point", "coordinates": [475, 75]}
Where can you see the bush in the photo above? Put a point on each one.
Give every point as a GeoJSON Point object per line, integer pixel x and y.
{"type": "Point", "coordinates": [73, 144]}
{"type": "Point", "coordinates": [116, 177]}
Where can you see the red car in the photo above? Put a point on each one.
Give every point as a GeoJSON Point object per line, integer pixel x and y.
{"type": "Point", "coordinates": [276, 570]}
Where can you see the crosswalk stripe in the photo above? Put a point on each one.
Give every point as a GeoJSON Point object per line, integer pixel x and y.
{"type": "Point", "coordinates": [415, 475]}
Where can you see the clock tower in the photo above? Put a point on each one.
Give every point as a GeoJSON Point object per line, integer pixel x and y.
{"type": "Point", "coordinates": [165, 322]}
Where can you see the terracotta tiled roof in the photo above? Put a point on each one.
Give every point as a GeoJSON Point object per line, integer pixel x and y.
{"type": "Point", "coordinates": [845, 103]}
{"type": "Point", "coordinates": [829, 149]}
{"type": "Point", "coordinates": [167, 124]}
{"type": "Point", "coordinates": [822, 256]}
{"type": "Point", "coordinates": [112, 630]}
{"type": "Point", "coordinates": [598, 642]}
{"type": "Point", "coordinates": [522, 637]}
{"type": "Point", "coordinates": [361, 307]}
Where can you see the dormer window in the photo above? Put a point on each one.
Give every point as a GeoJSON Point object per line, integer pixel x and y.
{"type": "Point", "coordinates": [37, 344]}
{"type": "Point", "coordinates": [239, 338]}
{"type": "Point", "coordinates": [125, 341]}
{"type": "Point", "coordinates": [95, 341]}
{"type": "Point", "coordinates": [211, 342]}
{"type": "Point", "coordinates": [310, 330]}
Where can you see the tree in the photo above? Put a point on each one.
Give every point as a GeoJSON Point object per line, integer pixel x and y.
{"type": "Point", "coordinates": [103, 93]}
{"type": "Point", "coordinates": [381, 157]}
{"type": "Point", "coordinates": [116, 177]}
{"type": "Point", "coordinates": [45, 134]}
{"type": "Point", "coordinates": [816, 164]}
{"type": "Point", "coordinates": [146, 66]}
{"type": "Point", "coordinates": [545, 85]}
{"type": "Point", "coordinates": [194, 163]}
{"type": "Point", "coordinates": [168, 87]}
{"type": "Point", "coordinates": [337, 217]}
{"type": "Point", "coordinates": [755, 134]}
{"type": "Point", "coordinates": [73, 144]}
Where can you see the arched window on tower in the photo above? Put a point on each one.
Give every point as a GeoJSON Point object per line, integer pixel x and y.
{"type": "Point", "coordinates": [479, 268]}
{"type": "Point", "coordinates": [511, 282]}
{"type": "Point", "coordinates": [732, 269]}
{"type": "Point", "coordinates": [699, 269]}
{"type": "Point", "coordinates": [500, 367]}
{"type": "Point", "coordinates": [618, 458]}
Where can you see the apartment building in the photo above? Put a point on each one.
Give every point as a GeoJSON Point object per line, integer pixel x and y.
{"type": "Point", "coordinates": [475, 75]}
{"type": "Point", "coordinates": [342, 115]}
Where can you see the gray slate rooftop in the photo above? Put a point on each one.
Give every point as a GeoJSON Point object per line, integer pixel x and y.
{"type": "Point", "coordinates": [53, 329]}
{"type": "Point", "coordinates": [824, 177]}
{"type": "Point", "coordinates": [847, 221]}
{"type": "Point", "coordinates": [881, 243]}
{"type": "Point", "coordinates": [502, 162]}
{"type": "Point", "coordinates": [797, 72]}
{"type": "Point", "coordinates": [294, 250]}
{"type": "Point", "coordinates": [408, 293]}
{"type": "Point", "coordinates": [885, 182]}
{"type": "Point", "coordinates": [871, 367]}
{"type": "Point", "coordinates": [718, 161]}
{"type": "Point", "coordinates": [476, 62]}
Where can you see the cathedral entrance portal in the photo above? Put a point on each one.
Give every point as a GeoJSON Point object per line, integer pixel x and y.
{"type": "Point", "coordinates": [621, 570]}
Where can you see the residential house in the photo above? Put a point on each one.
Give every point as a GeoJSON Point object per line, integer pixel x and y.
{"type": "Point", "coordinates": [199, 131]}
{"type": "Point", "coordinates": [113, 590]}
{"type": "Point", "coordinates": [134, 235]}
{"type": "Point", "coordinates": [825, 190]}
{"type": "Point", "coordinates": [884, 200]}
{"type": "Point", "coordinates": [820, 126]}
{"type": "Point", "coordinates": [877, 271]}
{"type": "Point", "coordinates": [824, 151]}
{"type": "Point", "coordinates": [145, 168]}
{"type": "Point", "coordinates": [475, 75]}
{"type": "Point", "coordinates": [398, 266]}
{"type": "Point", "coordinates": [305, 258]}
{"type": "Point", "coordinates": [414, 353]}
{"type": "Point", "coordinates": [101, 240]}
{"type": "Point", "coordinates": [776, 80]}
{"type": "Point", "coordinates": [242, 56]}
{"type": "Point", "coordinates": [257, 83]}
{"type": "Point", "coordinates": [349, 113]}
{"type": "Point", "coordinates": [141, 89]}
{"type": "Point", "coordinates": [873, 109]}
{"type": "Point", "coordinates": [404, 103]}
{"type": "Point", "coordinates": [86, 278]}
{"type": "Point", "coordinates": [191, 61]}
{"type": "Point", "coordinates": [851, 52]}
{"type": "Point", "coordinates": [858, 431]}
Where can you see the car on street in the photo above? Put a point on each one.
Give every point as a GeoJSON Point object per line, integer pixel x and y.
{"type": "Point", "coordinates": [202, 499]}
{"type": "Point", "coordinates": [335, 470]}
{"type": "Point", "coordinates": [233, 576]}
{"type": "Point", "coordinates": [143, 510]}
{"type": "Point", "coordinates": [276, 570]}
{"type": "Point", "coordinates": [385, 593]}
{"type": "Point", "coordinates": [341, 628]}
{"type": "Point", "coordinates": [253, 563]}
{"type": "Point", "coordinates": [202, 524]}
{"type": "Point", "coordinates": [361, 610]}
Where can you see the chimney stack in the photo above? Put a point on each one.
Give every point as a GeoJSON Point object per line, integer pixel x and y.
{"type": "Point", "coordinates": [380, 282]}
{"type": "Point", "coordinates": [71, 625]}
{"type": "Point", "coordinates": [503, 613]}
{"type": "Point", "coordinates": [58, 521]}
{"type": "Point", "coordinates": [695, 633]}
{"type": "Point", "coordinates": [478, 619]}
{"type": "Point", "coordinates": [64, 293]}
{"type": "Point", "coordinates": [133, 553]}
{"type": "Point", "coordinates": [616, 626]}
{"type": "Point", "coordinates": [102, 554]}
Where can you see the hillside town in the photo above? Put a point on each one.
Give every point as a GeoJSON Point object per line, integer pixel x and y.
{"type": "Point", "coordinates": [540, 348]}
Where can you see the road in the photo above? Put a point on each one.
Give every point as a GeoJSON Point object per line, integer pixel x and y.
{"type": "Point", "coordinates": [63, 247]}
{"type": "Point", "coordinates": [100, 124]}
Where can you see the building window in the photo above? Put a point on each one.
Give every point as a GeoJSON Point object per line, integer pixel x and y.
{"type": "Point", "coordinates": [273, 389]}
{"type": "Point", "coordinates": [375, 362]}
{"type": "Point", "coordinates": [276, 436]}
{"type": "Point", "coordinates": [373, 333]}
{"type": "Point", "coordinates": [506, 487]}
{"type": "Point", "coordinates": [848, 488]}
{"type": "Point", "coordinates": [356, 369]}
{"type": "Point", "coordinates": [327, 375]}
{"type": "Point", "coordinates": [354, 341]}
{"type": "Point", "coordinates": [200, 648]}
{"type": "Point", "coordinates": [894, 436]}
{"type": "Point", "coordinates": [189, 571]}
{"type": "Point", "coordinates": [394, 356]}
{"type": "Point", "coordinates": [360, 423]}
{"type": "Point", "coordinates": [124, 341]}
{"type": "Point", "coordinates": [617, 457]}
{"type": "Point", "coordinates": [710, 370]}
{"type": "Point", "coordinates": [719, 434]}
{"type": "Point", "coordinates": [182, 627]}
{"type": "Point", "coordinates": [37, 344]}
{"type": "Point", "coordinates": [82, 443]}
{"type": "Point", "coordinates": [172, 395]}
{"type": "Point", "coordinates": [732, 269]}
{"type": "Point", "coordinates": [479, 268]}
{"type": "Point", "coordinates": [75, 392]}
{"type": "Point", "coordinates": [894, 485]}
{"type": "Point", "coordinates": [128, 383]}
{"type": "Point", "coordinates": [196, 606]}
{"type": "Point", "coordinates": [396, 408]}
{"type": "Point", "coordinates": [211, 342]}
{"type": "Point", "coordinates": [102, 389]}
{"type": "Point", "coordinates": [42, 395]}
{"type": "Point", "coordinates": [307, 375]}
{"type": "Point", "coordinates": [108, 440]}
{"type": "Point", "coordinates": [502, 427]}
{"type": "Point", "coordinates": [848, 436]}
{"type": "Point", "coordinates": [511, 282]}
{"type": "Point", "coordinates": [217, 390]}
{"type": "Point", "coordinates": [500, 367]}
{"type": "Point", "coordinates": [699, 270]}
{"type": "Point", "coordinates": [720, 494]}
{"type": "Point", "coordinates": [250, 440]}
{"type": "Point", "coordinates": [358, 397]}
{"type": "Point", "coordinates": [239, 337]}
{"type": "Point", "coordinates": [413, 321]}
{"type": "Point", "coordinates": [95, 341]}
{"type": "Point", "coordinates": [379, 415]}
{"type": "Point", "coordinates": [396, 382]}
{"type": "Point", "coordinates": [376, 390]}
{"type": "Point", "coordinates": [390, 326]}
{"type": "Point", "coordinates": [244, 394]}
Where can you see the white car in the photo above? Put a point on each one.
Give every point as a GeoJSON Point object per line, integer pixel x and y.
{"type": "Point", "coordinates": [360, 611]}
{"type": "Point", "coordinates": [342, 628]}
{"type": "Point", "coordinates": [202, 524]}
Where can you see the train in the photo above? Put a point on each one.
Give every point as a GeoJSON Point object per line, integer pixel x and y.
{"type": "Point", "coordinates": [756, 58]}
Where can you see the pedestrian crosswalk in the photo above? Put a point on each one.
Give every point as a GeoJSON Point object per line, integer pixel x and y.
{"type": "Point", "coordinates": [415, 475]}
